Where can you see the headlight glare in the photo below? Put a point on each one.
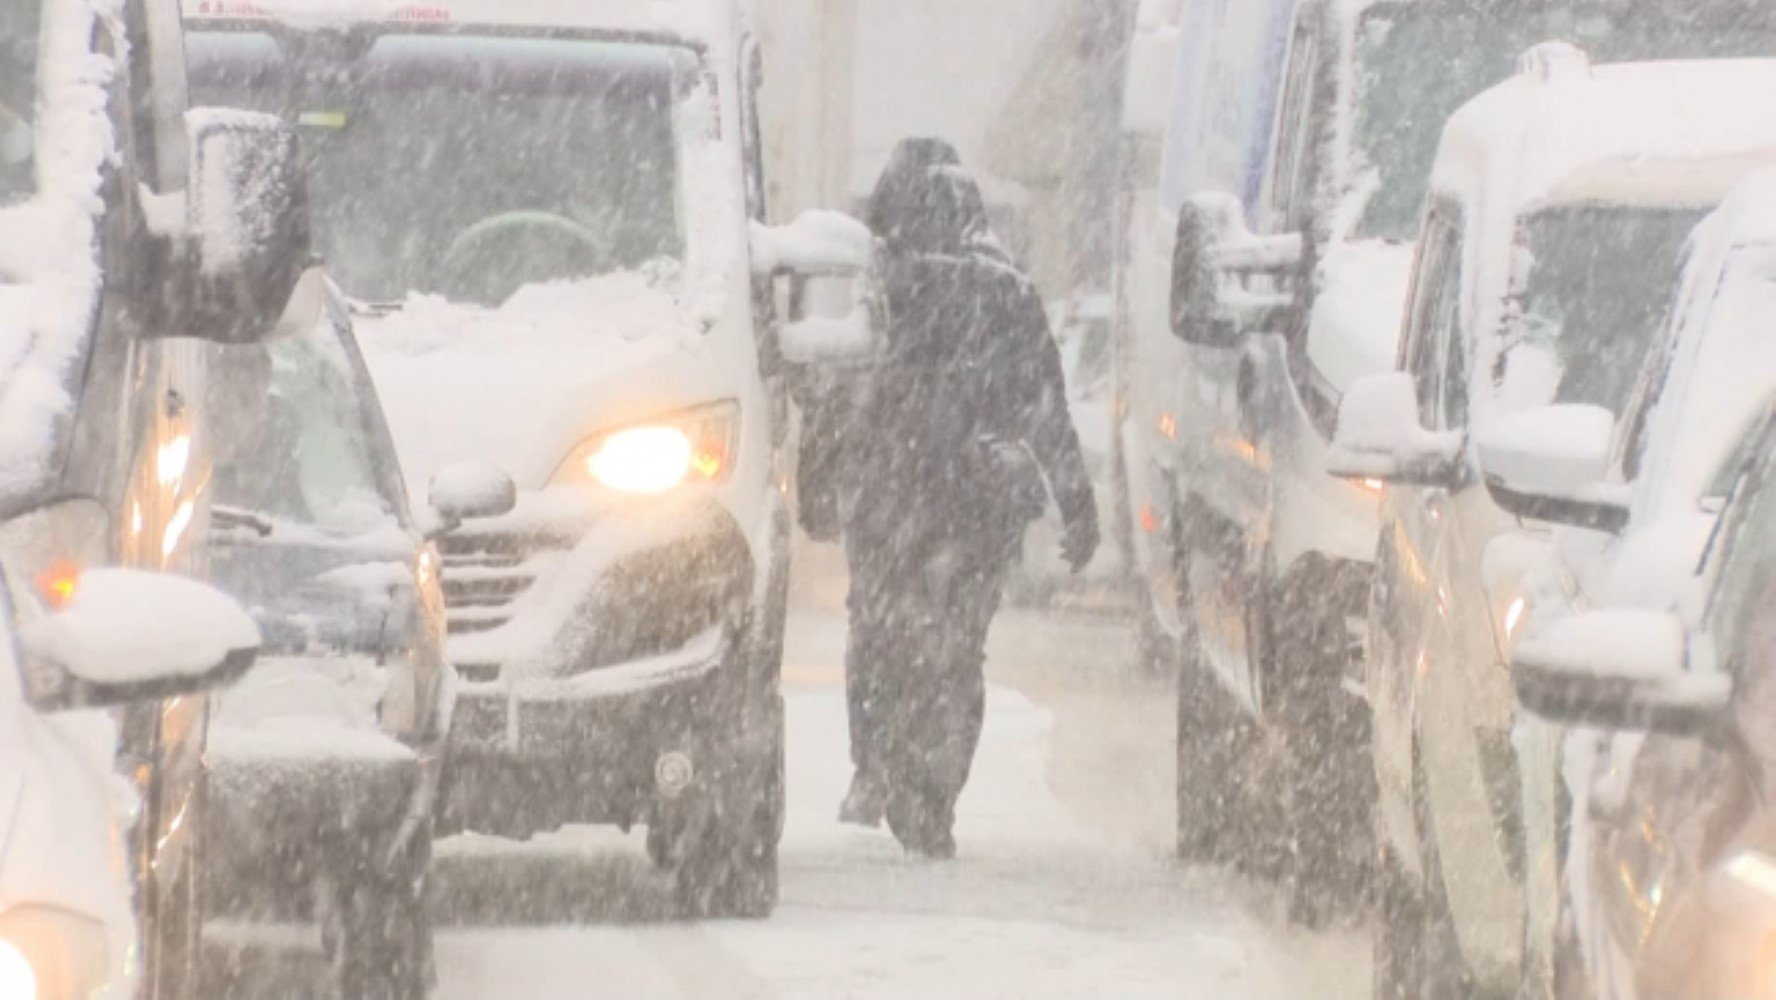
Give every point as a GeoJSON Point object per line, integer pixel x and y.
{"type": "Point", "coordinates": [642, 460]}
{"type": "Point", "coordinates": [18, 981]}
{"type": "Point", "coordinates": [692, 448]}
{"type": "Point", "coordinates": [48, 953]}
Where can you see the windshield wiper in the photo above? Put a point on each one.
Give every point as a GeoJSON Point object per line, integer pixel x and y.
{"type": "Point", "coordinates": [237, 517]}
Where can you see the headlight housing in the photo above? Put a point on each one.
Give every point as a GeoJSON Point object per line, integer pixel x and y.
{"type": "Point", "coordinates": [690, 448]}
{"type": "Point", "coordinates": [48, 953]}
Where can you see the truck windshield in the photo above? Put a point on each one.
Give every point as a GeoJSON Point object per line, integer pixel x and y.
{"type": "Point", "coordinates": [19, 24]}
{"type": "Point", "coordinates": [1417, 62]}
{"type": "Point", "coordinates": [470, 167]}
{"type": "Point", "coordinates": [1595, 284]}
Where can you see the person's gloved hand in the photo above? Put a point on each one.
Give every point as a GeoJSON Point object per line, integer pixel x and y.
{"type": "Point", "coordinates": [1080, 541]}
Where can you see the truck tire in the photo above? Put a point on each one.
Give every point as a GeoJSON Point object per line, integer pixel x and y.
{"type": "Point", "coordinates": [722, 841]}
{"type": "Point", "coordinates": [1416, 953]}
{"type": "Point", "coordinates": [1329, 793]}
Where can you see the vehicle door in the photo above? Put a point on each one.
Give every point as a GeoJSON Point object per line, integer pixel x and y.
{"type": "Point", "coordinates": [1404, 628]}
{"type": "Point", "coordinates": [1466, 703]}
{"type": "Point", "coordinates": [1225, 397]}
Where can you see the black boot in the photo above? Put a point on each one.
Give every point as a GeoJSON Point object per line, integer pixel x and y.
{"type": "Point", "coordinates": [863, 805]}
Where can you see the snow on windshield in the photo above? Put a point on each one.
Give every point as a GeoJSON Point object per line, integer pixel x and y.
{"type": "Point", "coordinates": [468, 167]}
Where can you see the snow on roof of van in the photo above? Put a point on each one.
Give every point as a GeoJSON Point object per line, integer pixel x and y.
{"type": "Point", "coordinates": [1548, 132]}
{"type": "Point", "coordinates": [700, 21]}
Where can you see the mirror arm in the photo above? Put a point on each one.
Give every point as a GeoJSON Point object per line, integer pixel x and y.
{"type": "Point", "coordinates": [434, 525]}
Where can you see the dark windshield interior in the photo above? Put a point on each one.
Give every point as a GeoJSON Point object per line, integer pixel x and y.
{"type": "Point", "coordinates": [1596, 293]}
{"type": "Point", "coordinates": [1420, 61]}
{"type": "Point", "coordinates": [470, 167]}
{"type": "Point", "coordinates": [19, 21]}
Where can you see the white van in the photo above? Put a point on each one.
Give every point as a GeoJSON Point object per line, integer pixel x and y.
{"type": "Point", "coordinates": [1559, 207]}
{"type": "Point", "coordinates": [543, 213]}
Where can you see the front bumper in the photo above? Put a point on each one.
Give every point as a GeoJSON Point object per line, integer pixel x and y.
{"type": "Point", "coordinates": [301, 780]}
{"type": "Point", "coordinates": [275, 821]}
{"type": "Point", "coordinates": [626, 649]}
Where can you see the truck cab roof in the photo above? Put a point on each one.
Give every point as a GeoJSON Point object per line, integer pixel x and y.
{"type": "Point", "coordinates": [697, 22]}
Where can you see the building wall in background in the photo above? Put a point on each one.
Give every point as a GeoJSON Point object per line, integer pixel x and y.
{"type": "Point", "coordinates": [1026, 89]}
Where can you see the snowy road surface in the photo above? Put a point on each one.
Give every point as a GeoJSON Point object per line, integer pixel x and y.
{"type": "Point", "coordinates": [1064, 884]}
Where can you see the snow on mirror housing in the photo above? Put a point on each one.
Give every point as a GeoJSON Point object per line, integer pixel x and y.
{"type": "Point", "coordinates": [1228, 282]}
{"type": "Point", "coordinates": [1629, 670]}
{"type": "Point", "coordinates": [126, 635]}
{"type": "Point", "coordinates": [821, 267]}
{"type": "Point", "coordinates": [249, 271]}
{"type": "Point", "coordinates": [1550, 464]}
{"type": "Point", "coordinates": [1380, 438]}
{"type": "Point", "coordinates": [467, 491]}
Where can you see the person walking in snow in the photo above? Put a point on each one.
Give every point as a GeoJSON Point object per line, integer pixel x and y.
{"type": "Point", "coordinates": [940, 463]}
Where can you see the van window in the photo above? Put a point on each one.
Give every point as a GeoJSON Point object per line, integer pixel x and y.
{"type": "Point", "coordinates": [20, 23]}
{"type": "Point", "coordinates": [1594, 288]}
{"type": "Point", "coordinates": [1290, 197]}
{"type": "Point", "coordinates": [1435, 312]}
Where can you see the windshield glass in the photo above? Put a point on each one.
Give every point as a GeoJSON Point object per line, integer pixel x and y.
{"type": "Point", "coordinates": [18, 96]}
{"type": "Point", "coordinates": [1595, 286]}
{"type": "Point", "coordinates": [19, 24]}
{"type": "Point", "coordinates": [307, 446]}
{"type": "Point", "coordinates": [470, 167]}
{"type": "Point", "coordinates": [1418, 62]}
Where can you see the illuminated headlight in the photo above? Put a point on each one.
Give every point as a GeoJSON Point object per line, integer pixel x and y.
{"type": "Point", "coordinates": [51, 954]}
{"type": "Point", "coordinates": [686, 449]}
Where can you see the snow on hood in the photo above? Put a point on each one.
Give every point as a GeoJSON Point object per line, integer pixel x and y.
{"type": "Point", "coordinates": [49, 274]}
{"type": "Point", "coordinates": [1355, 328]}
{"type": "Point", "coordinates": [519, 386]}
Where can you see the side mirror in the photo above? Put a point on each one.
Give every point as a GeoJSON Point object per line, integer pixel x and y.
{"type": "Point", "coordinates": [822, 267]}
{"type": "Point", "coordinates": [1550, 464]}
{"type": "Point", "coordinates": [1227, 281]}
{"type": "Point", "coordinates": [1633, 670]}
{"type": "Point", "coordinates": [127, 636]}
{"type": "Point", "coordinates": [468, 491]}
{"type": "Point", "coordinates": [250, 248]}
{"type": "Point", "coordinates": [1379, 436]}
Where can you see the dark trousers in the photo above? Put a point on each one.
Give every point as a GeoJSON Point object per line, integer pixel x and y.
{"type": "Point", "coordinates": [919, 611]}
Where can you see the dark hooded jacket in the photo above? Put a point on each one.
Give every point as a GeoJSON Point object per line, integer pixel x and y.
{"type": "Point", "coordinates": [969, 360]}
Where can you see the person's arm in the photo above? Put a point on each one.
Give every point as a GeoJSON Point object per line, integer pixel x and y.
{"type": "Point", "coordinates": [1048, 427]}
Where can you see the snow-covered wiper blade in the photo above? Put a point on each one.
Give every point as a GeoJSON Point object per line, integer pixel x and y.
{"type": "Point", "coordinates": [223, 516]}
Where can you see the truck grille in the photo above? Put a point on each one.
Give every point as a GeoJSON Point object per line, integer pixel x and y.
{"type": "Point", "coordinates": [483, 575]}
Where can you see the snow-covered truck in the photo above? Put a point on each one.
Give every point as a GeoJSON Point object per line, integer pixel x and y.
{"type": "Point", "coordinates": [1267, 279]}
{"type": "Point", "coordinates": [544, 214]}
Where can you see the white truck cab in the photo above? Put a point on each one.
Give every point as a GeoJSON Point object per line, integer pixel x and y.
{"type": "Point", "coordinates": [544, 214]}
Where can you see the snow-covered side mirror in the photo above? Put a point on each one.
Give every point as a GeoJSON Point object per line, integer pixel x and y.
{"type": "Point", "coordinates": [1228, 282]}
{"type": "Point", "coordinates": [821, 268]}
{"type": "Point", "coordinates": [1551, 463]}
{"type": "Point", "coordinates": [250, 272]}
{"type": "Point", "coordinates": [1379, 436]}
{"type": "Point", "coordinates": [467, 491]}
{"type": "Point", "coordinates": [125, 635]}
{"type": "Point", "coordinates": [1632, 670]}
